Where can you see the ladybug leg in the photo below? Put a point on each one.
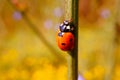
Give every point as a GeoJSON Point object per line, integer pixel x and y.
{"type": "Point", "coordinates": [60, 34]}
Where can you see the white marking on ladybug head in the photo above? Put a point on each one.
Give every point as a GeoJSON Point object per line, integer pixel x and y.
{"type": "Point", "coordinates": [62, 33]}
{"type": "Point", "coordinates": [61, 24]}
{"type": "Point", "coordinates": [64, 26]}
{"type": "Point", "coordinates": [68, 27]}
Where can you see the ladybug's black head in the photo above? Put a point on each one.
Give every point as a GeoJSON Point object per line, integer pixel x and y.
{"type": "Point", "coordinates": [66, 26]}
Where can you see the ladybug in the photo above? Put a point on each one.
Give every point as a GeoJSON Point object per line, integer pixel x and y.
{"type": "Point", "coordinates": [66, 26]}
{"type": "Point", "coordinates": [65, 37]}
{"type": "Point", "coordinates": [65, 40]}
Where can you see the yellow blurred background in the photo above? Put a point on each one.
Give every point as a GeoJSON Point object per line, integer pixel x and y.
{"type": "Point", "coordinates": [28, 49]}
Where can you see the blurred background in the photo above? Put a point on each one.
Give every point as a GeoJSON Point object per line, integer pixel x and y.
{"type": "Point", "coordinates": [28, 49]}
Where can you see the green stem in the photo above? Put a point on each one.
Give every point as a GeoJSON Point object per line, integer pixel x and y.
{"type": "Point", "coordinates": [71, 10]}
{"type": "Point", "coordinates": [74, 52]}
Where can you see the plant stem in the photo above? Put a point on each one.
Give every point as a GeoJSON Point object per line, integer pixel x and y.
{"type": "Point", "coordinates": [75, 50]}
{"type": "Point", "coordinates": [71, 10]}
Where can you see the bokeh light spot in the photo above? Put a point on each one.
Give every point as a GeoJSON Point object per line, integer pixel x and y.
{"type": "Point", "coordinates": [17, 15]}
{"type": "Point", "coordinates": [48, 24]}
{"type": "Point", "coordinates": [105, 13]}
{"type": "Point", "coordinates": [58, 12]}
{"type": "Point", "coordinates": [80, 77]}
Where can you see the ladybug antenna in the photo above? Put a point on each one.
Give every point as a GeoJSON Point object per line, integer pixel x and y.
{"type": "Point", "coordinates": [66, 22]}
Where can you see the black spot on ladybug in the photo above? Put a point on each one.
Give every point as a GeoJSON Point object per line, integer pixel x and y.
{"type": "Point", "coordinates": [63, 44]}
{"type": "Point", "coordinates": [71, 40]}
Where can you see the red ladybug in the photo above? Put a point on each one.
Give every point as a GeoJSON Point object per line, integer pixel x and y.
{"type": "Point", "coordinates": [65, 40]}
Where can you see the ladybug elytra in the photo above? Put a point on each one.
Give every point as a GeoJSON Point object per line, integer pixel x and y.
{"type": "Point", "coordinates": [65, 41]}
